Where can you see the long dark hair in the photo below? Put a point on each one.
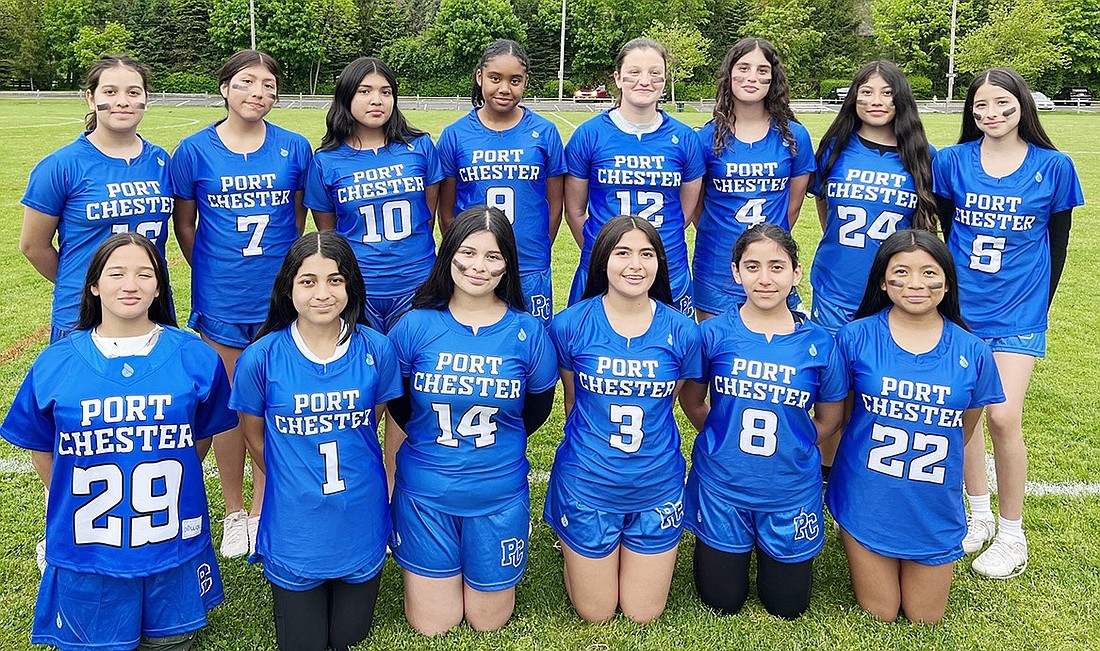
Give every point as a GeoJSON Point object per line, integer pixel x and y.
{"type": "Point", "coordinates": [332, 246]}
{"type": "Point", "coordinates": [497, 48]}
{"type": "Point", "coordinates": [640, 43]}
{"type": "Point", "coordinates": [777, 102]}
{"type": "Point", "coordinates": [875, 298]}
{"type": "Point", "coordinates": [912, 145]}
{"type": "Point", "coordinates": [436, 290]}
{"type": "Point", "coordinates": [765, 231]}
{"type": "Point", "coordinates": [1030, 129]}
{"type": "Point", "coordinates": [105, 63]}
{"type": "Point", "coordinates": [91, 306]}
{"type": "Point", "coordinates": [340, 123]}
{"type": "Point", "coordinates": [244, 59]}
{"type": "Point", "coordinates": [607, 239]}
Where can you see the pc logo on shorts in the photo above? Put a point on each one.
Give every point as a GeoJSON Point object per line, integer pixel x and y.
{"type": "Point", "coordinates": [806, 527]}
{"type": "Point", "coordinates": [541, 306]}
{"type": "Point", "coordinates": [206, 578]}
{"type": "Point", "coordinates": [672, 513]}
{"type": "Point", "coordinates": [511, 552]}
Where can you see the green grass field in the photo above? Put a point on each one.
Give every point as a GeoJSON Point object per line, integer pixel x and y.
{"type": "Point", "coordinates": [1053, 605]}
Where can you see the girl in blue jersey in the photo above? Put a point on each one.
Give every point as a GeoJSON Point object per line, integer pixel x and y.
{"type": "Point", "coordinates": [309, 391]}
{"type": "Point", "coordinates": [616, 489]}
{"type": "Point", "coordinates": [759, 160]}
{"type": "Point", "coordinates": [1006, 198]}
{"type": "Point", "coordinates": [110, 180]}
{"type": "Point", "coordinates": [480, 375]}
{"type": "Point", "coordinates": [508, 157]}
{"type": "Point", "coordinates": [755, 476]}
{"type": "Point", "coordinates": [635, 159]}
{"type": "Point", "coordinates": [375, 179]}
{"type": "Point", "coordinates": [919, 381]}
{"type": "Point", "coordinates": [874, 178]}
{"type": "Point", "coordinates": [242, 180]}
{"type": "Point", "coordinates": [130, 563]}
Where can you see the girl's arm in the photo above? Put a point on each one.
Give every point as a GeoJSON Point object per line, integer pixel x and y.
{"type": "Point", "coordinates": [448, 189]}
{"type": "Point", "coordinates": [690, 193]}
{"type": "Point", "coordinates": [536, 409]}
{"type": "Point", "coordinates": [568, 393]}
{"type": "Point", "coordinates": [555, 196]}
{"type": "Point", "coordinates": [829, 417]}
{"type": "Point", "coordinates": [797, 187]}
{"type": "Point", "coordinates": [325, 221]}
{"type": "Point", "coordinates": [299, 212]}
{"type": "Point", "coordinates": [253, 429]}
{"type": "Point", "coordinates": [822, 211]}
{"type": "Point", "coordinates": [970, 420]}
{"type": "Point", "coordinates": [1058, 228]}
{"type": "Point", "coordinates": [184, 223]}
{"type": "Point", "coordinates": [36, 242]}
{"type": "Point", "coordinates": [431, 197]}
{"type": "Point", "coordinates": [576, 206]}
{"type": "Point", "coordinates": [693, 400]}
{"type": "Point", "coordinates": [43, 465]}
{"type": "Point", "coordinates": [946, 209]}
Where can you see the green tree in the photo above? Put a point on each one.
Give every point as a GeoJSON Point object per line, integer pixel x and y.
{"type": "Point", "coordinates": [1080, 21]}
{"type": "Point", "coordinates": [790, 26]}
{"type": "Point", "coordinates": [61, 23]}
{"type": "Point", "coordinates": [916, 34]}
{"type": "Point", "coordinates": [23, 47]}
{"type": "Point", "coordinates": [687, 49]}
{"type": "Point", "coordinates": [1026, 37]}
{"type": "Point", "coordinates": [381, 23]}
{"type": "Point", "coordinates": [92, 43]}
{"type": "Point", "coordinates": [465, 27]}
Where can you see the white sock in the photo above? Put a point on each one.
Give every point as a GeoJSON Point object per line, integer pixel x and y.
{"type": "Point", "coordinates": [979, 506]}
{"type": "Point", "coordinates": [1012, 530]}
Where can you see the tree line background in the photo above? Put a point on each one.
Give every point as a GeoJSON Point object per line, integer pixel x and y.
{"type": "Point", "coordinates": [434, 44]}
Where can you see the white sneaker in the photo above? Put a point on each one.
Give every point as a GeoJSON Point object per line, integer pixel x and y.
{"type": "Point", "coordinates": [979, 531]}
{"type": "Point", "coordinates": [40, 556]}
{"type": "Point", "coordinates": [253, 527]}
{"type": "Point", "coordinates": [1004, 559]}
{"type": "Point", "coordinates": [235, 534]}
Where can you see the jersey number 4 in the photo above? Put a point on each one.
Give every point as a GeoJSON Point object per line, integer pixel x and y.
{"type": "Point", "coordinates": [854, 230]}
{"type": "Point", "coordinates": [154, 494]}
{"type": "Point", "coordinates": [477, 423]}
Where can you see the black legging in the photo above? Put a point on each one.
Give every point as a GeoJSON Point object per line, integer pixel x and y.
{"type": "Point", "coordinates": [722, 581]}
{"type": "Point", "coordinates": [335, 614]}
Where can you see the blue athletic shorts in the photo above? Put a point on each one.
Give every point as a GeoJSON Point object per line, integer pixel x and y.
{"type": "Point", "coordinates": [829, 315]}
{"type": "Point", "coordinates": [789, 536]}
{"type": "Point", "coordinates": [384, 311]}
{"type": "Point", "coordinates": [1034, 344]}
{"type": "Point", "coordinates": [76, 610]}
{"type": "Point", "coordinates": [682, 298]}
{"type": "Point", "coordinates": [594, 533]}
{"type": "Point", "coordinates": [489, 551]}
{"type": "Point", "coordinates": [234, 335]}
{"type": "Point", "coordinates": [538, 291]}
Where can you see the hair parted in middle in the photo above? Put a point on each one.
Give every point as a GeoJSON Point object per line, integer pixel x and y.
{"type": "Point", "coordinates": [1030, 130]}
{"type": "Point", "coordinates": [606, 241]}
{"type": "Point", "coordinates": [91, 306]}
{"type": "Point", "coordinates": [765, 231]}
{"type": "Point", "coordinates": [340, 124]}
{"type": "Point", "coordinates": [777, 102]}
{"type": "Point", "coordinates": [499, 47]}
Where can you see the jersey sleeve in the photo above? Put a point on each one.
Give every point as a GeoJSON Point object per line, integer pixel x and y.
{"type": "Point", "coordinates": [317, 195]}
{"type": "Point", "coordinates": [578, 154]}
{"type": "Point", "coordinates": [447, 152]}
{"type": "Point", "coordinates": [213, 415]}
{"type": "Point", "coordinates": [181, 170]}
{"type": "Point", "coordinates": [249, 382]}
{"type": "Point", "coordinates": [29, 425]}
{"type": "Point", "coordinates": [833, 383]}
{"type": "Point", "coordinates": [941, 174]}
{"type": "Point", "coordinates": [433, 171]}
{"type": "Point", "coordinates": [1067, 187]}
{"type": "Point", "coordinates": [399, 337]}
{"type": "Point", "coordinates": [695, 158]}
{"type": "Point", "coordinates": [987, 388]}
{"type": "Point", "coordinates": [804, 161]}
{"type": "Point", "coordinates": [845, 340]}
{"type": "Point", "coordinates": [542, 361]}
{"type": "Point", "coordinates": [555, 152]}
{"type": "Point", "coordinates": [559, 336]}
{"type": "Point", "coordinates": [303, 156]}
{"type": "Point", "coordinates": [691, 366]}
{"type": "Point", "coordinates": [390, 385]}
{"type": "Point", "coordinates": [48, 186]}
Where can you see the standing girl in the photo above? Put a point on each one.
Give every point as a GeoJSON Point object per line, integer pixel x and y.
{"type": "Point", "coordinates": [375, 179]}
{"type": "Point", "coordinates": [759, 161]}
{"type": "Point", "coordinates": [129, 558]}
{"type": "Point", "coordinates": [635, 159]}
{"type": "Point", "coordinates": [755, 476]}
{"type": "Point", "coordinates": [1006, 198]}
{"type": "Point", "coordinates": [309, 391]}
{"type": "Point", "coordinates": [875, 178]}
{"type": "Point", "coordinates": [508, 157]}
{"type": "Point", "coordinates": [480, 379]}
{"type": "Point", "coordinates": [616, 500]}
{"type": "Point", "coordinates": [110, 180]}
{"type": "Point", "coordinates": [242, 180]}
{"type": "Point", "coordinates": [919, 381]}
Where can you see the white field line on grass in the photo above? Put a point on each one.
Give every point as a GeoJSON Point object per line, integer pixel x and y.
{"type": "Point", "coordinates": [62, 122]}
{"type": "Point", "coordinates": [559, 116]}
{"type": "Point", "coordinates": [1033, 488]}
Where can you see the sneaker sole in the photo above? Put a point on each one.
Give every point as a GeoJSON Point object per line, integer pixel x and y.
{"type": "Point", "coordinates": [1015, 573]}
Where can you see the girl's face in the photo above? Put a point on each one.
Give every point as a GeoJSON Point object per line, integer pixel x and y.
{"type": "Point", "coordinates": [118, 99]}
{"type": "Point", "coordinates": [502, 80]}
{"type": "Point", "coordinates": [767, 273]}
{"type": "Point", "coordinates": [319, 292]}
{"type": "Point", "coordinates": [915, 282]}
{"type": "Point", "coordinates": [751, 77]}
{"type": "Point", "coordinates": [478, 265]}
{"type": "Point", "coordinates": [372, 104]}
{"type": "Point", "coordinates": [641, 78]}
{"type": "Point", "coordinates": [996, 111]}
{"type": "Point", "coordinates": [251, 93]}
{"type": "Point", "coordinates": [127, 285]}
{"type": "Point", "coordinates": [875, 102]}
{"type": "Point", "coordinates": [632, 265]}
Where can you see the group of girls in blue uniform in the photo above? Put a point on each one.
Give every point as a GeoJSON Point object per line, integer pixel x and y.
{"type": "Point", "coordinates": [907, 341]}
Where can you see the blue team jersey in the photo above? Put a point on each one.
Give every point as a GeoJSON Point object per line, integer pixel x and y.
{"type": "Point", "coordinates": [637, 175]}
{"type": "Point", "coordinates": [999, 234]}
{"type": "Point", "coordinates": [246, 217]}
{"type": "Point", "coordinates": [126, 497]}
{"type": "Point", "coordinates": [381, 209]}
{"type": "Point", "coordinates": [869, 196]}
{"type": "Point", "coordinates": [326, 511]}
{"type": "Point", "coordinates": [621, 451]}
{"type": "Point", "coordinates": [897, 481]}
{"type": "Point", "coordinates": [507, 170]}
{"type": "Point", "coordinates": [745, 186]}
{"type": "Point", "coordinates": [466, 451]}
{"type": "Point", "coordinates": [758, 447]}
{"type": "Point", "coordinates": [94, 196]}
